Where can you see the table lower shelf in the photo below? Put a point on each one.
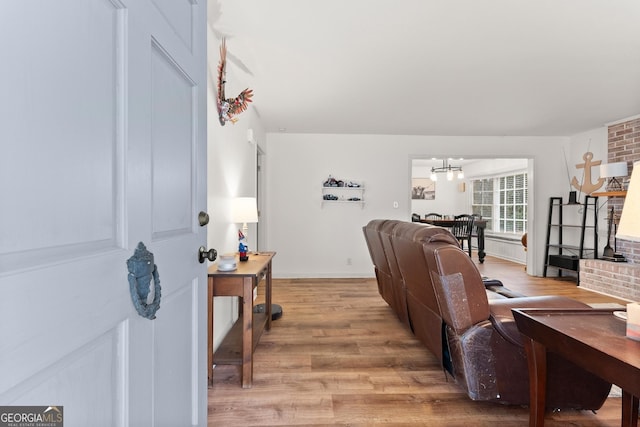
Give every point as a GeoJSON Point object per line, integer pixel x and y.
{"type": "Point", "coordinates": [230, 350]}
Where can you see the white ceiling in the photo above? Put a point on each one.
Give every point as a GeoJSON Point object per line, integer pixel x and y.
{"type": "Point", "coordinates": [433, 67]}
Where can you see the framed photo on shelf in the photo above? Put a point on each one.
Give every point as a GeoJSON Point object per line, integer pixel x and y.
{"type": "Point", "coordinates": [423, 189]}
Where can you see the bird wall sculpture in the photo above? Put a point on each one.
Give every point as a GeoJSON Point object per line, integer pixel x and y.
{"type": "Point", "coordinates": [229, 108]}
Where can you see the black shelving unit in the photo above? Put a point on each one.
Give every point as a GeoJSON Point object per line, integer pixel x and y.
{"type": "Point", "coordinates": [558, 253]}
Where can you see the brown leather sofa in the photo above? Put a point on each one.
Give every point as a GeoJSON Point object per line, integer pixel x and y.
{"type": "Point", "coordinates": [436, 290]}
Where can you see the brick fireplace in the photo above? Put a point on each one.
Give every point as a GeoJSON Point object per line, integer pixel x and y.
{"type": "Point", "coordinates": [620, 279]}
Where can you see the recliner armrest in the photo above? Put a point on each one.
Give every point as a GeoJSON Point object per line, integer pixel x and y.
{"type": "Point", "coordinates": [502, 318]}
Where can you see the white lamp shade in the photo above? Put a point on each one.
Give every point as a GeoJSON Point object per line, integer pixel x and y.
{"type": "Point", "coordinates": [612, 170]}
{"type": "Point", "coordinates": [629, 227]}
{"type": "Point", "coordinates": [244, 209]}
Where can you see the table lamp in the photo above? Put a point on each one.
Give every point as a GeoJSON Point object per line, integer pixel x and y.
{"type": "Point", "coordinates": [629, 229]}
{"type": "Point", "coordinates": [614, 170]}
{"type": "Point", "coordinates": [244, 210]}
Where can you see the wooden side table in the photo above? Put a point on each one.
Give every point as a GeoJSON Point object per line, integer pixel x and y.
{"type": "Point", "coordinates": [592, 339]}
{"type": "Point", "coordinates": [237, 347]}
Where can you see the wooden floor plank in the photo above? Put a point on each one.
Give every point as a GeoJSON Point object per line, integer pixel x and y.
{"type": "Point", "coordinates": [340, 356]}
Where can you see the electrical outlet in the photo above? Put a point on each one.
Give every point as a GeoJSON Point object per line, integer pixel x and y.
{"type": "Point", "coordinates": [348, 261]}
{"type": "Point", "coordinates": [395, 205]}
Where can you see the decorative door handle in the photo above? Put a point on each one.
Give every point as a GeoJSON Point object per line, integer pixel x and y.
{"type": "Point", "coordinates": [203, 218]}
{"type": "Point", "coordinates": [203, 254]}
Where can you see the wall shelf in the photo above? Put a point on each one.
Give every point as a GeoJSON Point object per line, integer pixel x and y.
{"type": "Point", "coordinates": [559, 254]}
{"type": "Point", "coordinates": [610, 194]}
{"type": "Point", "coordinates": [348, 194]}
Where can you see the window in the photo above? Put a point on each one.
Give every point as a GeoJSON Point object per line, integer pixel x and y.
{"type": "Point", "coordinates": [502, 201]}
{"type": "Point", "coordinates": [482, 203]}
{"type": "Point", "coordinates": [513, 203]}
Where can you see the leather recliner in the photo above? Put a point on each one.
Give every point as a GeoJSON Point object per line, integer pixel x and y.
{"type": "Point", "coordinates": [380, 262]}
{"type": "Point", "coordinates": [484, 346]}
{"type": "Point", "coordinates": [440, 295]}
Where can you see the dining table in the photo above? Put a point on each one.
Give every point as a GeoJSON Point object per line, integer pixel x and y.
{"type": "Point", "coordinates": [479, 225]}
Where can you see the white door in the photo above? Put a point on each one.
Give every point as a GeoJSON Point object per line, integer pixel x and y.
{"type": "Point", "coordinates": [102, 146]}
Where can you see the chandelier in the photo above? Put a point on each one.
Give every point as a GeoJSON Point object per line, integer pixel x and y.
{"type": "Point", "coordinates": [448, 169]}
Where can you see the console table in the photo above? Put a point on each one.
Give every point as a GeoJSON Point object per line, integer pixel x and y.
{"type": "Point", "coordinates": [592, 339]}
{"type": "Point", "coordinates": [237, 347]}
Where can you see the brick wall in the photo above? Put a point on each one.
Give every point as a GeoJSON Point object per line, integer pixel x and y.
{"type": "Point", "coordinates": [621, 279]}
{"type": "Point", "coordinates": [624, 145]}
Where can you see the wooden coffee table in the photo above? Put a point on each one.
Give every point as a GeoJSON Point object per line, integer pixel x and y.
{"type": "Point", "coordinates": [592, 339]}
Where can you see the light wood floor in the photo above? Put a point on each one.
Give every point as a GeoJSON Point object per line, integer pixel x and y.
{"type": "Point", "coordinates": [339, 356]}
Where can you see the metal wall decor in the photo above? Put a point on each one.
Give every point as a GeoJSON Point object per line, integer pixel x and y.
{"type": "Point", "coordinates": [228, 108]}
{"type": "Point", "coordinates": [142, 270]}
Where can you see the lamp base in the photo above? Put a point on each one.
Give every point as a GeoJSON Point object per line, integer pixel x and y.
{"type": "Point", "coordinates": [614, 185]}
{"type": "Point", "coordinates": [276, 310]}
{"type": "Point", "coordinates": [615, 258]}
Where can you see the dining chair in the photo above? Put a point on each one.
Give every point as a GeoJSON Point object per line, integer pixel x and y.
{"type": "Point", "coordinates": [474, 231]}
{"type": "Point", "coordinates": [415, 217]}
{"type": "Point", "coordinates": [462, 229]}
{"type": "Point", "coordinates": [433, 215]}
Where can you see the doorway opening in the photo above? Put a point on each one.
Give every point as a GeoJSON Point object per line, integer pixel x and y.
{"type": "Point", "coordinates": [497, 189]}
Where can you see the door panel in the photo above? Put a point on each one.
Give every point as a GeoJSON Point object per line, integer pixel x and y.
{"type": "Point", "coordinates": [104, 108]}
{"type": "Point", "coordinates": [179, 14]}
{"type": "Point", "coordinates": [60, 165]}
{"type": "Point", "coordinates": [172, 124]}
{"type": "Point", "coordinates": [171, 371]}
{"type": "Point", "coordinates": [50, 383]}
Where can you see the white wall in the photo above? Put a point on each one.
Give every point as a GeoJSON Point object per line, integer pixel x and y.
{"type": "Point", "coordinates": [231, 160]}
{"type": "Point", "coordinates": [316, 241]}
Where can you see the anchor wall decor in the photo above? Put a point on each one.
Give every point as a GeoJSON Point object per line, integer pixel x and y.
{"type": "Point", "coordinates": [587, 187]}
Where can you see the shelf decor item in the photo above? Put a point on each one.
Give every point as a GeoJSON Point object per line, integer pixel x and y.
{"type": "Point", "coordinates": [342, 191]}
{"type": "Point", "coordinates": [228, 108]}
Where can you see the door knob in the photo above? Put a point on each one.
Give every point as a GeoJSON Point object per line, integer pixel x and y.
{"type": "Point", "coordinates": [203, 254]}
{"type": "Point", "coordinates": [203, 218]}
